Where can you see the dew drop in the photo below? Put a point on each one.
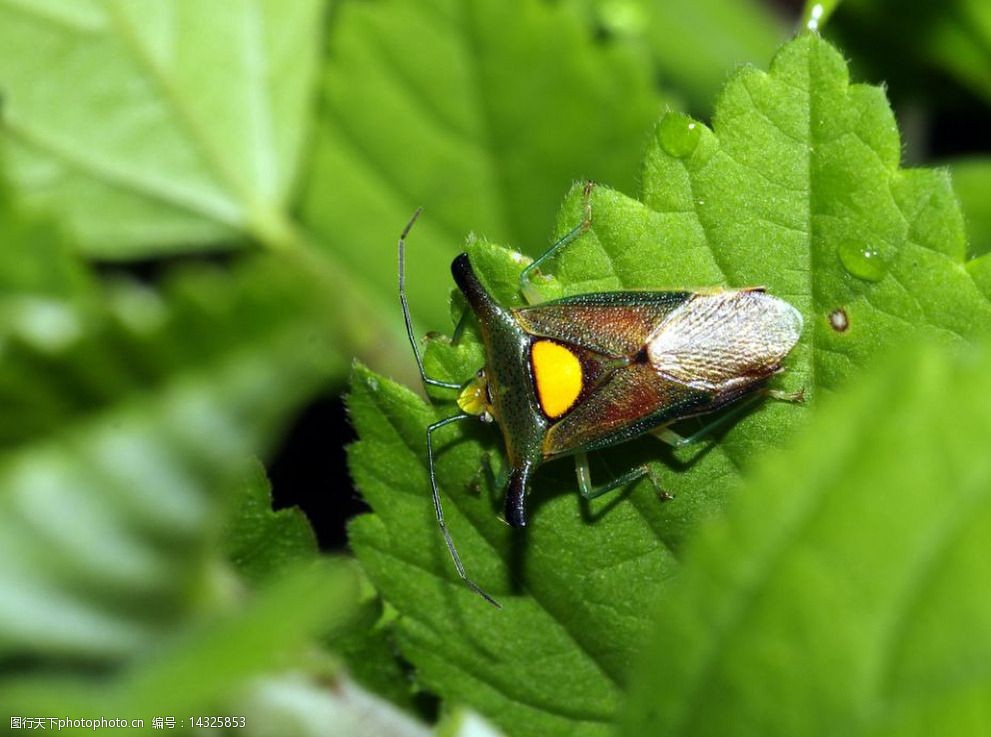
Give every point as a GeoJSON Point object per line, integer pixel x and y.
{"type": "Point", "coordinates": [679, 134]}
{"type": "Point", "coordinates": [815, 15]}
{"type": "Point", "coordinates": [863, 262]}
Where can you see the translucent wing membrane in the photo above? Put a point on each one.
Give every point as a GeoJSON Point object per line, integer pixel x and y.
{"type": "Point", "coordinates": [713, 340]}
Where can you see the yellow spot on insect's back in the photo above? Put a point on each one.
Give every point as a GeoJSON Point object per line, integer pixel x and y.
{"type": "Point", "coordinates": [558, 374]}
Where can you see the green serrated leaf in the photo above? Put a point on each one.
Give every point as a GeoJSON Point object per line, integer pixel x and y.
{"type": "Point", "coordinates": [509, 661]}
{"type": "Point", "coordinates": [797, 188]}
{"type": "Point", "coordinates": [429, 104]}
{"type": "Point", "coordinates": [158, 126]}
{"type": "Point", "coordinates": [838, 596]}
{"type": "Point", "coordinates": [262, 542]}
{"type": "Point", "coordinates": [369, 650]}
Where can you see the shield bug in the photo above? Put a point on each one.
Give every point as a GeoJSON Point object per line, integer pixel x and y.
{"type": "Point", "coordinates": [582, 373]}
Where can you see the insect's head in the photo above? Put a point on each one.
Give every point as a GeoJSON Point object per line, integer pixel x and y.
{"type": "Point", "coordinates": [474, 397]}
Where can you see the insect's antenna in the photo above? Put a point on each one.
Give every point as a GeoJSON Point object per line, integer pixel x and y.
{"type": "Point", "coordinates": [402, 299]}
{"type": "Point", "coordinates": [440, 511]}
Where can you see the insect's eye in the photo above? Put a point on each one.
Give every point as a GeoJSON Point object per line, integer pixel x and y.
{"type": "Point", "coordinates": [480, 374]}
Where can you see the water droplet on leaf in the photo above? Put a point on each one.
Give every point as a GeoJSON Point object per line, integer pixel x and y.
{"type": "Point", "coordinates": [814, 17]}
{"type": "Point", "coordinates": [678, 134]}
{"type": "Point", "coordinates": [863, 262]}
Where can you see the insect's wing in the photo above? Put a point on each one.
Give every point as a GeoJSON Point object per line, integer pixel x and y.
{"type": "Point", "coordinates": [633, 400]}
{"type": "Point", "coordinates": [704, 352]}
{"type": "Point", "coordinates": [716, 341]}
{"type": "Point", "coordinates": [609, 323]}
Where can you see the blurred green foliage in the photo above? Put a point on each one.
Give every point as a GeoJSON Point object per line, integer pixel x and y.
{"type": "Point", "coordinates": [694, 44]}
{"type": "Point", "coordinates": [161, 126]}
{"type": "Point", "coordinates": [843, 592]}
{"type": "Point", "coordinates": [929, 40]}
{"type": "Point", "coordinates": [458, 106]}
{"type": "Point", "coordinates": [197, 223]}
{"type": "Point", "coordinates": [260, 542]}
{"type": "Point", "coordinates": [972, 183]}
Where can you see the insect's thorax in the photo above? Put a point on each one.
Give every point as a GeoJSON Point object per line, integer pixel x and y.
{"type": "Point", "coordinates": [542, 384]}
{"type": "Point", "coordinates": [507, 374]}
{"type": "Point", "coordinates": [586, 372]}
{"type": "Point", "coordinates": [512, 389]}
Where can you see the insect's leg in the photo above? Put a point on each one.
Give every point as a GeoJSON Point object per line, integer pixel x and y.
{"type": "Point", "coordinates": [783, 396]}
{"type": "Point", "coordinates": [439, 511]}
{"type": "Point", "coordinates": [669, 436]}
{"type": "Point", "coordinates": [497, 474]}
{"type": "Point", "coordinates": [475, 485]}
{"type": "Point", "coordinates": [588, 491]}
{"type": "Point", "coordinates": [406, 318]}
{"type": "Point", "coordinates": [564, 240]}
{"type": "Point", "coordinates": [675, 440]}
{"type": "Point", "coordinates": [460, 327]}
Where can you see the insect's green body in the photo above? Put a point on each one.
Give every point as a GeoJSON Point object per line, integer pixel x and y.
{"type": "Point", "coordinates": [587, 372]}
{"type": "Point", "coordinates": [621, 395]}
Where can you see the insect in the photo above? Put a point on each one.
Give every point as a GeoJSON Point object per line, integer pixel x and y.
{"type": "Point", "coordinates": [578, 374]}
